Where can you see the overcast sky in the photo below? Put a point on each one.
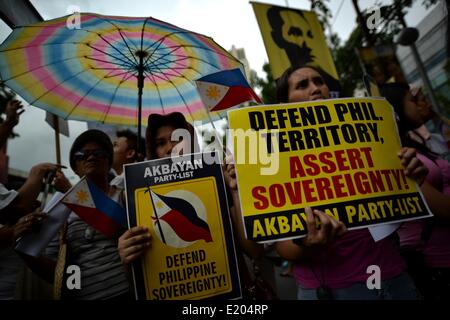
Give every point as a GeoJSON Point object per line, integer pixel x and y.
{"type": "Point", "coordinates": [229, 22]}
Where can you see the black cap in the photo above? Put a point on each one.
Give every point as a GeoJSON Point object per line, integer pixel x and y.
{"type": "Point", "coordinates": [92, 135]}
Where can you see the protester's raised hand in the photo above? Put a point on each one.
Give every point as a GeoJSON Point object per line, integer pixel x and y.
{"type": "Point", "coordinates": [328, 231]}
{"type": "Point", "coordinates": [13, 111]}
{"type": "Point", "coordinates": [61, 183]}
{"type": "Point", "coordinates": [414, 168]}
{"type": "Point", "coordinates": [230, 173]}
{"type": "Point", "coordinates": [133, 243]}
{"type": "Point", "coordinates": [41, 170]}
{"type": "Point", "coordinates": [28, 224]}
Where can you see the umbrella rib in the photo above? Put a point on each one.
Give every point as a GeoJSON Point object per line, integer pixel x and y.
{"type": "Point", "coordinates": [157, 89]}
{"type": "Point", "coordinates": [179, 93]}
{"type": "Point", "coordinates": [84, 96]}
{"type": "Point", "coordinates": [157, 44]}
{"type": "Point", "coordinates": [59, 83]}
{"type": "Point", "coordinates": [162, 56]}
{"type": "Point", "coordinates": [142, 33]}
{"type": "Point", "coordinates": [108, 54]}
{"type": "Point", "coordinates": [125, 78]}
{"type": "Point", "coordinates": [39, 45]}
{"type": "Point", "coordinates": [125, 66]}
{"type": "Point", "coordinates": [104, 39]}
{"type": "Point", "coordinates": [88, 31]}
{"type": "Point", "coordinates": [119, 74]}
{"type": "Point", "coordinates": [173, 75]}
{"type": "Point", "coordinates": [122, 36]}
{"type": "Point", "coordinates": [202, 60]}
{"type": "Point", "coordinates": [164, 61]}
{"type": "Point", "coordinates": [161, 40]}
{"type": "Point", "coordinates": [166, 64]}
{"type": "Point", "coordinates": [227, 55]}
{"type": "Point", "coordinates": [184, 57]}
{"type": "Point", "coordinates": [42, 66]}
{"type": "Point", "coordinates": [180, 75]}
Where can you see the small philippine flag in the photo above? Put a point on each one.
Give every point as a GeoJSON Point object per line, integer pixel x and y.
{"type": "Point", "coordinates": [181, 216]}
{"type": "Point", "coordinates": [97, 209]}
{"type": "Point", "coordinates": [225, 89]}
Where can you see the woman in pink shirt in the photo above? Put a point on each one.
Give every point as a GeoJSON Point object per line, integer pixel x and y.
{"type": "Point", "coordinates": [331, 263]}
{"type": "Point", "coordinates": [425, 243]}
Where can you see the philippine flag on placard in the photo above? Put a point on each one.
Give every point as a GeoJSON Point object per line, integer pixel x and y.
{"type": "Point", "coordinates": [181, 216]}
{"type": "Point", "coordinates": [97, 209]}
{"type": "Point", "coordinates": [225, 89]}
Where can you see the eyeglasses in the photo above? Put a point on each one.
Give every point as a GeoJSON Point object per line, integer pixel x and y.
{"type": "Point", "coordinates": [85, 154]}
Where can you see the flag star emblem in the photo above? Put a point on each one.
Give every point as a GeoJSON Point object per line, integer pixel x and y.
{"type": "Point", "coordinates": [81, 196]}
{"type": "Point", "coordinates": [213, 92]}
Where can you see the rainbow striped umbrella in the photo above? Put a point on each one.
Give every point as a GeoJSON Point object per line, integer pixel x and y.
{"type": "Point", "coordinates": [114, 70]}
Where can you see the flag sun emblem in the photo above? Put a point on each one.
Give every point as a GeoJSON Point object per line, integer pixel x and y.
{"type": "Point", "coordinates": [179, 219]}
{"type": "Point", "coordinates": [213, 92]}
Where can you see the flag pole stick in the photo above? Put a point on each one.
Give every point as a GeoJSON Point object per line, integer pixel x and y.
{"type": "Point", "coordinates": [57, 141]}
{"type": "Point", "coordinates": [48, 181]}
{"type": "Point", "coordinates": [156, 215]}
{"type": "Point", "coordinates": [216, 134]}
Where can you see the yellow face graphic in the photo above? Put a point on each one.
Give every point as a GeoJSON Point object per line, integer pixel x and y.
{"type": "Point", "coordinates": [296, 29]}
{"type": "Point", "coordinates": [293, 37]}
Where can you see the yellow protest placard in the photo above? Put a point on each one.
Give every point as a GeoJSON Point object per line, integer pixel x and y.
{"type": "Point", "coordinates": [182, 203]}
{"type": "Point", "coordinates": [293, 37]}
{"type": "Point", "coordinates": [339, 156]}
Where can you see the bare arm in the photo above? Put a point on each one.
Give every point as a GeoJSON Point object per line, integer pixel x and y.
{"type": "Point", "coordinates": [251, 248]}
{"type": "Point", "coordinates": [13, 110]}
{"type": "Point", "coordinates": [315, 241]}
{"type": "Point", "coordinates": [28, 193]}
{"type": "Point", "coordinates": [438, 202]}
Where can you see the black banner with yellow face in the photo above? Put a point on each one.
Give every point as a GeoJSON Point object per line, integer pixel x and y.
{"type": "Point", "coordinates": [294, 37]}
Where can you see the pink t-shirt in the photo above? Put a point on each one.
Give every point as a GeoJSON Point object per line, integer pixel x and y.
{"type": "Point", "coordinates": [345, 262]}
{"type": "Point", "coordinates": [436, 249]}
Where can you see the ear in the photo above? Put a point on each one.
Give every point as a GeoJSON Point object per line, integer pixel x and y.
{"type": "Point", "coordinates": [131, 154]}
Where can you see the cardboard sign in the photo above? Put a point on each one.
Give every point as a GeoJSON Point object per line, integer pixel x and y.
{"type": "Point", "coordinates": [182, 201]}
{"type": "Point", "coordinates": [338, 156]}
{"type": "Point", "coordinates": [295, 37]}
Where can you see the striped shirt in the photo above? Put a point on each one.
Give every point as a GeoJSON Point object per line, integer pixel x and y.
{"type": "Point", "coordinates": [10, 267]}
{"type": "Point", "coordinates": [102, 273]}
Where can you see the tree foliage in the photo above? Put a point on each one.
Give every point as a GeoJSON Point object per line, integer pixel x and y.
{"type": "Point", "coordinates": [345, 54]}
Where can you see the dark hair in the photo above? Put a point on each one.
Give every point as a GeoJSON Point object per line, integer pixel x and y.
{"type": "Point", "coordinates": [395, 94]}
{"type": "Point", "coordinates": [132, 142]}
{"type": "Point", "coordinates": [156, 121]}
{"type": "Point", "coordinates": [92, 135]}
{"type": "Point", "coordinates": [283, 85]}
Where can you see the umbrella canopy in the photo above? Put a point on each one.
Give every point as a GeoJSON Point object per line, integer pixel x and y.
{"type": "Point", "coordinates": [109, 66]}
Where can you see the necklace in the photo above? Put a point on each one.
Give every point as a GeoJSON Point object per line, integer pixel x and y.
{"type": "Point", "coordinates": [322, 292]}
